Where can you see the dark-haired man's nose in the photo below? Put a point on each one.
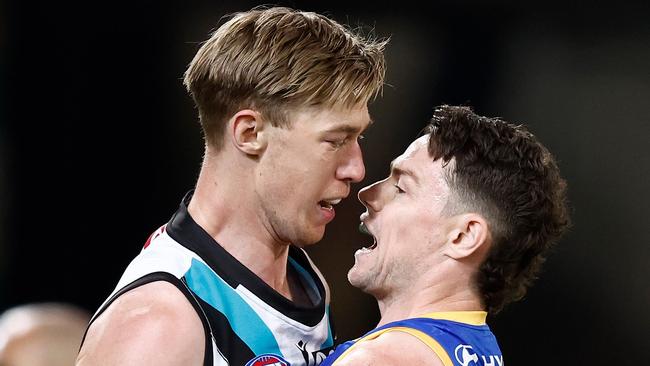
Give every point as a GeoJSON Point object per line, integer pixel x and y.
{"type": "Point", "coordinates": [370, 196]}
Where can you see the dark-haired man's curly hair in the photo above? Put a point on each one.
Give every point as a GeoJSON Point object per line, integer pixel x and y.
{"type": "Point", "coordinates": [502, 172]}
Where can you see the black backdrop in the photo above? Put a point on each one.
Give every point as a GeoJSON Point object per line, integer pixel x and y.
{"type": "Point", "coordinates": [99, 141]}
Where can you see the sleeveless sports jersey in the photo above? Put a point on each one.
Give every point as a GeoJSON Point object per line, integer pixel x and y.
{"type": "Point", "coordinates": [458, 338]}
{"type": "Point", "coordinates": [246, 321]}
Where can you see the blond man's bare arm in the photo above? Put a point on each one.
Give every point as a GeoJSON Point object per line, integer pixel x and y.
{"type": "Point", "coordinates": [153, 324]}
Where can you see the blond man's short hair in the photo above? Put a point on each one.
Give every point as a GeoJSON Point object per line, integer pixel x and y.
{"type": "Point", "coordinates": [278, 59]}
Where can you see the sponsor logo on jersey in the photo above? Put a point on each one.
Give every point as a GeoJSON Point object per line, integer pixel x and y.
{"type": "Point", "coordinates": [268, 360]}
{"type": "Point", "coordinates": [466, 356]}
{"type": "Point", "coordinates": [313, 358]}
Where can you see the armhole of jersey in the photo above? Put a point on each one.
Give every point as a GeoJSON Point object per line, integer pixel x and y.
{"type": "Point", "coordinates": [423, 337]}
{"type": "Point", "coordinates": [182, 286]}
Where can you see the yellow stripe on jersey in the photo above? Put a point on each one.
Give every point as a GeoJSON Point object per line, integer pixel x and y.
{"type": "Point", "coordinates": [468, 317]}
{"type": "Point", "coordinates": [427, 340]}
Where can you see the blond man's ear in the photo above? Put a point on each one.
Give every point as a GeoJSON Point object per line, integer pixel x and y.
{"type": "Point", "coordinates": [246, 129]}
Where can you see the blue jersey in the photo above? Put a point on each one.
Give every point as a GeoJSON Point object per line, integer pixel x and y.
{"type": "Point", "coordinates": [458, 338]}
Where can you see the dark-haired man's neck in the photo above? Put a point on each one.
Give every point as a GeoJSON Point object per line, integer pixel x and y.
{"type": "Point", "coordinates": [435, 292]}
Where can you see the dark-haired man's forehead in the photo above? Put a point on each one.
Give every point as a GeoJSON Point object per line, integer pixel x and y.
{"type": "Point", "coordinates": [412, 161]}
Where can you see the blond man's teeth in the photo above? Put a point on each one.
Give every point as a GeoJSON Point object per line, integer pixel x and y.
{"type": "Point", "coordinates": [328, 204]}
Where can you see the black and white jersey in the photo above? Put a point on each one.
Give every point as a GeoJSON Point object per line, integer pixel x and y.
{"type": "Point", "coordinates": [246, 321]}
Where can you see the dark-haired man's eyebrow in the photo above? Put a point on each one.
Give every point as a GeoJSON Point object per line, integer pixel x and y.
{"type": "Point", "coordinates": [400, 169]}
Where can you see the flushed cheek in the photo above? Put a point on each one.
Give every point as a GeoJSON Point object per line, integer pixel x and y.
{"type": "Point", "coordinates": [395, 236]}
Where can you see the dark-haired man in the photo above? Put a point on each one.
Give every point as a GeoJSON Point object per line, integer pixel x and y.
{"type": "Point", "coordinates": [460, 229]}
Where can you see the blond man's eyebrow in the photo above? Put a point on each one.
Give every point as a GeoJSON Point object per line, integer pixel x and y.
{"type": "Point", "coordinates": [347, 129]}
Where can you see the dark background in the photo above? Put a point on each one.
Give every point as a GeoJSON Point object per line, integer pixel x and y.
{"type": "Point", "coordinates": [99, 142]}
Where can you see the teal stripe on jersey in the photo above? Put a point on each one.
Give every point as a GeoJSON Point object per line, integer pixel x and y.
{"type": "Point", "coordinates": [329, 342]}
{"type": "Point", "coordinates": [242, 318]}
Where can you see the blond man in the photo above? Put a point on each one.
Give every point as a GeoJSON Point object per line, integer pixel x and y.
{"type": "Point", "coordinates": [282, 97]}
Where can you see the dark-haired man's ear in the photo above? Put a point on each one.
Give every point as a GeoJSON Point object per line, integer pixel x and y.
{"type": "Point", "coordinates": [246, 128]}
{"type": "Point", "coordinates": [469, 236]}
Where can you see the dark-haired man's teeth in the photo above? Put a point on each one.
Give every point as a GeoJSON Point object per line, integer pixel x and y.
{"type": "Point", "coordinates": [369, 248]}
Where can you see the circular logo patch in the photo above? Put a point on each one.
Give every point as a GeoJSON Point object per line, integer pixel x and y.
{"type": "Point", "coordinates": [267, 360]}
